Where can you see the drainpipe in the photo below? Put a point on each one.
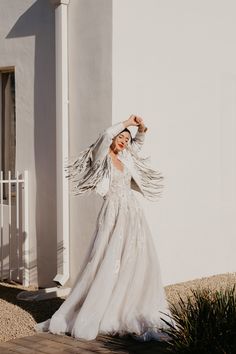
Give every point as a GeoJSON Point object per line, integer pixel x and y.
{"type": "Point", "coordinates": [62, 132]}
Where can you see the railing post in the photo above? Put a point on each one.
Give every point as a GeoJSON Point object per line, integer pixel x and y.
{"type": "Point", "coordinates": [9, 224]}
{"type": "Point", "coordinates": [26, 248]}
{"type": "Point", "coordinates": [1, 221]}
{"type": "Point", "coordinates": [17, 226]}
{"type": "Point", "coordinates": [21, 234]}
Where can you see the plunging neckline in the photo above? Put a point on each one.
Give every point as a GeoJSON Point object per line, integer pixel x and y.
{"type": "Point", "coordinates": [113, 165]}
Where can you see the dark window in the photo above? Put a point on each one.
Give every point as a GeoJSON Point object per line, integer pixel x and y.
{"type": "Point", "coordinates": [8, 124]}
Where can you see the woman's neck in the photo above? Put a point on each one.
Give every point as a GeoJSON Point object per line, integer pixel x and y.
{"type": "Point", "coordinates": [113, 152]}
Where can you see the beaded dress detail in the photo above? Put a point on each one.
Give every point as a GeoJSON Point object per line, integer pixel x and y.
{"type": "Point", "coordinates": [120, 289]}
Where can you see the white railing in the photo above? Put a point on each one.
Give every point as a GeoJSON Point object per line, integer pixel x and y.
{"type": "Point", "coordinates": [14, 228]}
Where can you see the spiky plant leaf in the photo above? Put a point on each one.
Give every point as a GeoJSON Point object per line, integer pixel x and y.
{"type": "Point", "coordinates": [204, 322]}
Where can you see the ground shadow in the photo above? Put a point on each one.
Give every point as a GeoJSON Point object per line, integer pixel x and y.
{"type": "Point", "coordinates": [40, 310]}
{"type": "Point", "coordinates": [44, 309]}
{"type": "Point", "coordinates": [126, 344]}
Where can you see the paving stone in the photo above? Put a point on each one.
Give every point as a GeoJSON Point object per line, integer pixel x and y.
{"type": "Point", "coordinates": [25, 344]}
{"type": "Point", "coordinates": [47, 343]}
{"type": "Point", "coordinates": [64, 339]}
{"type": "Point", "coordinates": [72, 342]}
{"type": "Point", "coordinates": [34, 338]}
{"type": "Point", "coordinates": [22, 350]}
{"type": "Point", "coordinates": [77, 351]}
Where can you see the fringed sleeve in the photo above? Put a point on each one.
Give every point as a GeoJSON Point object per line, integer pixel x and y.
{"type": "Point", "coordinates": [151, 180]}
{"type": "Point", "coordinates": [88, 181]}
{"type": "Point", "coordinates": [77, 168]}
{"type": "Point", "coordinates": [87, 169]}
{"type": "Point", "coordinates": [138, 141]}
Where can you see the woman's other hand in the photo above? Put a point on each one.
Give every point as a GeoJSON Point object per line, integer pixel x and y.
{"type": "Point", "coordinates": [141, 126]}
{"type": "Point", "coordinates": [131, 121]}
{"type": "Point", "coordinates": [134, 121]}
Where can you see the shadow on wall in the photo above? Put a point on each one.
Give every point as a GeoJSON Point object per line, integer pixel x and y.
{"type": "Point", "coordinates": [90, 85]}
{"type": "Point", "coordinates": [38, 21]}
{"type": "Point", "coordinates": [90, 65]}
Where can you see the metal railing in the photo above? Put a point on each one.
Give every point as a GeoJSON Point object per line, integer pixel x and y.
{"type": "Point", "coordinates": [14, 228]}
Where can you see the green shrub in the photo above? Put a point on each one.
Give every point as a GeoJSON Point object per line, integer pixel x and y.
{"type": "Point", "coordinates": [204, 323]}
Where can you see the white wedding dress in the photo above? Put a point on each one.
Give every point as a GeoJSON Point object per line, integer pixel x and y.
{"type": "Point", "coordinates": [120, 289]}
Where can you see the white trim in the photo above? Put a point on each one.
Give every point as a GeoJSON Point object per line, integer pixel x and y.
{"type": "Point", "coordinates": [13, 232]}
{"type": "Point", "coordinates": [60, 2]}
{"type": "Point", "coordinates": [26, 249]}
{"type": "Point", "coordinates": [1, 118]}
{"type": "Point", "coordinates": [43, 294]}
{"type": "Point", "coordinates": [62, 130]}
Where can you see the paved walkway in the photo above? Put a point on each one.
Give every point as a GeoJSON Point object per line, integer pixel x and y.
{"type": "Point", "coordinates": [47, 343]}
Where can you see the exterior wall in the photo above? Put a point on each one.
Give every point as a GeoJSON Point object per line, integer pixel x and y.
{"type": "Point", "coordinates": [174, 64]}
{"type": "Point", "coordinates": [27, 43]}
{"type": "Point", "coordinates": [90, 107]}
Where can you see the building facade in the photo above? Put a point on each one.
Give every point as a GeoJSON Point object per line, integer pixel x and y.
{"type": "Point", "coordinates": [91, 63]}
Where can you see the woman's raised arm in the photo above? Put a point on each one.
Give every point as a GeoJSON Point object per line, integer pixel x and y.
{"type": "Point", "coordinates": [101, 147]}
{"type": "Point", "coordinates": [139, 138]}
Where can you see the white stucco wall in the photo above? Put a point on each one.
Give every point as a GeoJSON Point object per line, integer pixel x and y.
{"type": "Point", "coordinates": [90, 108]}
{"type": "Point", "coordinates": [174, 64]}
{"type": "Point", "coordinates": [27, 43]}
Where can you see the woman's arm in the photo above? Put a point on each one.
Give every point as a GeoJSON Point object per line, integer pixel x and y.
{"type": "Point", "coordinates": [101, 146]}
{"type": "Point", "coordinates": [133, 120]}
{"type": "Point", "coordinates": [117, 128]}
{"type": "Point", "coordinates": [139, 138]}
{"type": "Point", "coordinates": [138, 141]}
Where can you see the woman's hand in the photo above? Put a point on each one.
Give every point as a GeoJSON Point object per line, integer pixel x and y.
{"type": "Point", "coordinates": [135, 121]}
{"type": "Point", "coordinates": [131, 121]}
{"type": "Point", "coordinates": [142, 128]}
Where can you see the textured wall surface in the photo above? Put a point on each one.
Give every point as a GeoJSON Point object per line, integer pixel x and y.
{"type": "Point", "coordinates": [27, 43]}
{"type": "Point", "coordinates": [174, 64]}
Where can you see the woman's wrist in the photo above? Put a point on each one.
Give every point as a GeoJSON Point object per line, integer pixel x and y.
{"type": "Point", "coordinates": [135, 121]}
{"type": "Point", "coordinates": [142, 128]}
{"type": "Point", "coordinates": [126, 123]}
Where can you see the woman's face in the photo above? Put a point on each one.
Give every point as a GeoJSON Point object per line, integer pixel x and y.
{"type": "Point", "coordinates": [121, 141]}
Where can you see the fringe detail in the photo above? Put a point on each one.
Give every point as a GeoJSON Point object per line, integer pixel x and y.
{"type": "Point", "coordinates": [151, 180]}
{"type": "Point", "coordinates": [85, 176]}
{"type": "Point", "coordinates": [80, 163]}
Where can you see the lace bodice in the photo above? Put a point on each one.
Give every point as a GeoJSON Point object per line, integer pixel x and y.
{"type": "Point", "coordinates": [120, 182]}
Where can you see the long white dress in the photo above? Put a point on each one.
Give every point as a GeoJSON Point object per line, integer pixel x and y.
{"type": "Point", "coordinates": [120, 289]}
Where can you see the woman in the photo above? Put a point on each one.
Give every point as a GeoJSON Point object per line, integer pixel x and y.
{"type": "Point", "coordinates": [120, 289]}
